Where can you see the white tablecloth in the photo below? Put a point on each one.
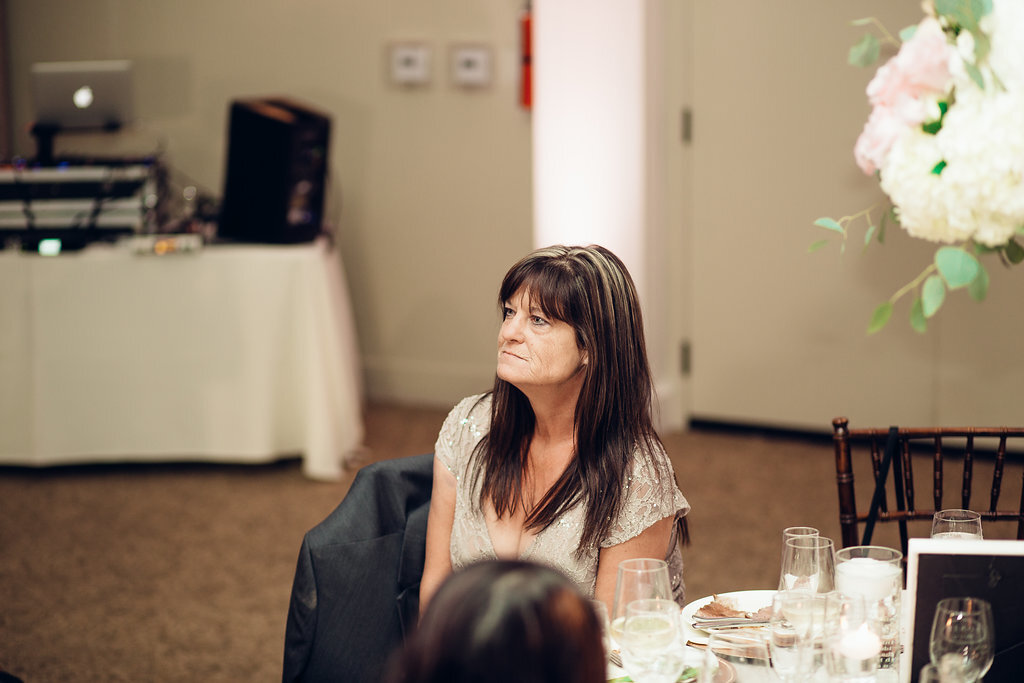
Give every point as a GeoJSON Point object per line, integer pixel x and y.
{"type": "Point", "coordinates": [232, 354]}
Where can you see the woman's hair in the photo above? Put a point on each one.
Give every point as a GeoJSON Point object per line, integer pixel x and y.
{"type": "Point", "coordinates": [504, 620]}
{"type": "Point", "coordinates": [590, 289]}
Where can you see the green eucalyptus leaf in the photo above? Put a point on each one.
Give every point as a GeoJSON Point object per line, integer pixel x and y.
{"type": "Point", "coordinates": [975, 74]}
{"type": "Point", "coordinates": [863, 21]}
{"type": "Point", "coordinates": [957, 267]}
{"type": "Point", "coordinates": [908, 32]}
{"type": "Point", "coordinates": [869, 234]}
{"type": "Point", "coordinates": [937, 168]}
{"type": "Point", "coordinates": [881, 227]}
{"type": "Point", "coordinates": [978, 289]}
{"type": "Point", "coordinates": [1014, 252]}
{"type": "Point", "coordinates": [960, 11]}
{"type": "Point", "coordinates": [865, 52]}
{"type": "Point", "coordinates": [830, 224]}
{"type": "Point", "coordinates": [981, 7]}
{"type": "Point", "coordinates": [880, 317]}
{"type": "Point", "coordinates": [933, 293]}
{"type": "Point", "coordinates": [917, 319]}
{"type": "Point", "coordinates": [815, 246]}
{"type": "Point", "coordinates": [982, 46]}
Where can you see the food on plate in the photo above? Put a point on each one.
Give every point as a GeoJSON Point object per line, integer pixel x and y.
{"type": "Point", "coordinates": [725, 608]}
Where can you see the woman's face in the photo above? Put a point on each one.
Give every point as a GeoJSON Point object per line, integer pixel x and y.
{"type": "Point", "coordinates": [537, 351]}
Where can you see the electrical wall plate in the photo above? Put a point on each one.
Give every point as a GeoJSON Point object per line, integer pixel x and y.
{"type": "Point", "coordinates": [472, 65]}
{"type": "Point", "coordinates": [409, 63]}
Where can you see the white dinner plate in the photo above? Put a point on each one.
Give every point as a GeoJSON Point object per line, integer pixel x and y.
{"type": "Point", "coordinates": [748, 601]}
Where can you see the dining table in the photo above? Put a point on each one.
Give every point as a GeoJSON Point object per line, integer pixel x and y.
{"type": "Point", "coordinates": [729, 669]}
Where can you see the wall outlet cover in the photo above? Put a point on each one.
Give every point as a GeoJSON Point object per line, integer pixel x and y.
{"type": "Point", "coordinates": [409, 63]}
{"type": "Point", "coordinates": [472, 65]}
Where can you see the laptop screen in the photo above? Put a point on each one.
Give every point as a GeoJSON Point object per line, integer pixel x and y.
{"type": "Point", "coordinates": [90, 94]}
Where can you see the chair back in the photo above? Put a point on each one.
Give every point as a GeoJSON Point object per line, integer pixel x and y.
{"type": "Point", "coordinates": [892, 466]}
{"type": "Point", "coordinates": [355, 595]}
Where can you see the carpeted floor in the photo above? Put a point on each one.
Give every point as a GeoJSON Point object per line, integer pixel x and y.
{"type": "Point", "coordinates": [182, 572]}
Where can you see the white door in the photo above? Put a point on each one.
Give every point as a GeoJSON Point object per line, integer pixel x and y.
{"type": "Point", "coordinates": [779, 335]}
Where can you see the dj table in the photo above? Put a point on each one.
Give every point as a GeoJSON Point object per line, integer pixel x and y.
{"type": "Point", "coordinates": [232, 354]}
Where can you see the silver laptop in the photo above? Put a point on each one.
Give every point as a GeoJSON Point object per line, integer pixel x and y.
{"type": "Point", "coordinates": [91, 94]}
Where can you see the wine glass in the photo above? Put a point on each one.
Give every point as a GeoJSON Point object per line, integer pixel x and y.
{"type": "Point", "coordinates": [963, 637]}
{"type": "Point", "coordinates": [651, 651]}
{"type": "Point", "coordinates": [638, 579]}
{"type": "Point", "coordinates": [808, 565]}
{"type": "Point", "coordinates": [961, 524]}
{"type": "Point", "coordinates": [791, 635]}
{"type": "Point", "coordinates": [794, 531]}
{"type": "Point", "coordinates": [933, 674]}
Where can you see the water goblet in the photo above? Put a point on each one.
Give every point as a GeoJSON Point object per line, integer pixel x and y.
{"type": "Point", "coordinates": [963, 637]}
{"type": "Point", "coordinates": [637, 579]}
{"type": "Point", "coordinates": [808, 565]}
{"type": "Point", "coordinates": [651, 649]}
{"type": "Point", "coordinates": [957, 524]}
{"type": "Point", "coordinates": [791, 631]}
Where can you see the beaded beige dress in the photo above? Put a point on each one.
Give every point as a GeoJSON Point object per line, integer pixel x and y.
{"type": "Point", "coordinates": [651, 495]}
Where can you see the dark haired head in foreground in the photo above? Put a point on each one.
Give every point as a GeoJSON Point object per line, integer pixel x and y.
{"type": "Point", "coordinates": [504, 620]}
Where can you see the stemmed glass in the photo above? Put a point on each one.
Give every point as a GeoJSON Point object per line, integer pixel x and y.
{"type": "Point", "coordinates": [808, 565]}
{"type": "Point", "coordinates": [961, 524]}
{"type": "Point", "coordinates": [637, 579]}
{"type": "Point", "coordinates": [791, 632]}
{"type": "Point", "coordinates": [963, 637]}
{"type": "Point", "coordinates": [651, 651]}
{"type": "Point", "coordinates": [933, 674]}
{"type": "Point", "coordinates": [793, 532]}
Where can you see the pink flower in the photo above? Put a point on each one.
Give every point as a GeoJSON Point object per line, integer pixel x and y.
{"type": "Point", "coordinates": [900, 92]}
{"type": "Point", "coordinates": [879, 134]}
{"type": "Point", "coordinates": [925, 58]}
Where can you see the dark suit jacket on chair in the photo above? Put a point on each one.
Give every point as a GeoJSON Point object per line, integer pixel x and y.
{"type": "Point", "coordinates": [356, 588]}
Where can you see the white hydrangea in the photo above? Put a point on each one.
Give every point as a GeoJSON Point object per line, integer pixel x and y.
{"type": "Point", "coordinates": [980, 192]}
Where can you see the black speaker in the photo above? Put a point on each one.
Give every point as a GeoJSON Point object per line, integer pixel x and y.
{"type": "Point", "coordinates": [276, 169]}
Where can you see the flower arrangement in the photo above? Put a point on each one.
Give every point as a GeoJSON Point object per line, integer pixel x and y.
{"type": "Point", "coordinates": [945, 138]}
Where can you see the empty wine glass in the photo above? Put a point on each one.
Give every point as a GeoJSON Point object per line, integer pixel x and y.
{"type": "Point", "coordinates": [963, 637]}
{"type": "Point", "coordinates": [651, 650]}
{"type": "Point", "coordinates": [637, 579]}
{"type": "Point", "coordinates": [808, 565]}
{"type": "Point", "coordinates": [793, 532]}
{"type": "Point", "coordinates": [959, 524]}
{"type": "Point", "coordinates": [791, 634]}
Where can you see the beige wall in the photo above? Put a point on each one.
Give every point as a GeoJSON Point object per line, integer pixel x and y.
{"type": "Point", "coordinates": [430, 188]}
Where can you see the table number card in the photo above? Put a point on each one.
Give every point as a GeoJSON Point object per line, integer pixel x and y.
{"type": "Point", "coordinates": [991, 570]}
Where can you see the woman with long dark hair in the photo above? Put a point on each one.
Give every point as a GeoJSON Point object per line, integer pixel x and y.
{"type": "Point", "coordinates": [559, 463]}
{"type": "Point", "coordinates": [504, 621]}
